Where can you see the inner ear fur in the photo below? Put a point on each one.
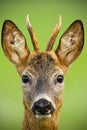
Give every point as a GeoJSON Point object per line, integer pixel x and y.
{"type": "Point", "coordinates": [14, 43]}
{"type": "Point", "coordinates": [71, 43]}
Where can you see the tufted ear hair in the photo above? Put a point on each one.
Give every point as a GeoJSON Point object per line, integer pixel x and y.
{"type": "Point", "coordinates": [14, 43]}
{"type": "Point", "coordinates": [71, 43]}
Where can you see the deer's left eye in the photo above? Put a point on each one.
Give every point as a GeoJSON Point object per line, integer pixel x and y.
{"type": "Point", "coordinates": [60, 78]}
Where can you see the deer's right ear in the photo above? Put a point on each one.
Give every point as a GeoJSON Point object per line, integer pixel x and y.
{"type": "Point", "coordinates": [14, 43]}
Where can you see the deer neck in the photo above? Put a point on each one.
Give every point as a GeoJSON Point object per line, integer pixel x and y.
{"type": "Point", "coordinates": [31, 123]}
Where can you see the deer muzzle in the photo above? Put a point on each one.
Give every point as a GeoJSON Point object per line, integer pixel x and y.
{"type": "Point", "coordinates": [43, 108]}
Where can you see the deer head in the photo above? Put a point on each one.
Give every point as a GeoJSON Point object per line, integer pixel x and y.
{"type": "Point", "coordinates": [42, 73]}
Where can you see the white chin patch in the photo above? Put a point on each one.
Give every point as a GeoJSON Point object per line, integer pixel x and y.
{"type": "Point", "coordinates": [43, 116]}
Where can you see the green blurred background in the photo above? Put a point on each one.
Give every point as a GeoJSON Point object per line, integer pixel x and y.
{"type": "Point", "coordinates": [44, 16]}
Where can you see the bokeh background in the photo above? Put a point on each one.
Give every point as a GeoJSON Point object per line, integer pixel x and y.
{"type": "Point", "coordinates": [44, 16]}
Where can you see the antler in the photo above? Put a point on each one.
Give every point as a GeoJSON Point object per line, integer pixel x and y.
{"type": "Point", "coordinates": [54, 35]}
{"type": "Point", "coordinates": [32, 34]}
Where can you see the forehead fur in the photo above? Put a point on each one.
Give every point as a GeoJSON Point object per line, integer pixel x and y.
{"type": "Point", "coordinates": [42, 61]}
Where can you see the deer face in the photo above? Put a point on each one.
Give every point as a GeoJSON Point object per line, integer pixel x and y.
{"type": "Point", "coordinates": [42, 73]}
{"type": "Point", "coordinates": [42, 83]}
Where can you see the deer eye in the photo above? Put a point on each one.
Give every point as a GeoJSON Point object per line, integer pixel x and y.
{"type": "Point", "coordinates": [25, 79]}
{"type": "Point", "coordinates": [60, 78]}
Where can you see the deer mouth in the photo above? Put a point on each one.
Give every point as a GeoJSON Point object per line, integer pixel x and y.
{"type": "Point", "coordinates": [44, 114]}
{"type": "Point", "coordinates": [39, 116]}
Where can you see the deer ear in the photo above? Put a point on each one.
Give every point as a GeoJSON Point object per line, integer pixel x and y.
{"type": "Point", "coordinates": [71, 43]}
{"type": "Point", "coordinates": [14, 43]}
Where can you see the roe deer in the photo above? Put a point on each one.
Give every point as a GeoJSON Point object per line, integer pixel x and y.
{"type": "Point", "coordinates": [42, 73]}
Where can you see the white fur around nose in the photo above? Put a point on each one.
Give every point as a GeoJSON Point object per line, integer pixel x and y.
{"type": "Point", "coordinates": [43, 96]}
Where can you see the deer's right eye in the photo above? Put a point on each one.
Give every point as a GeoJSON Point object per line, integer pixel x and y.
{"type": "Point", "coordinates": [25, 79]}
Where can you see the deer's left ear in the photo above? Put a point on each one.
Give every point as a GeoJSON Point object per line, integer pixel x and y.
{"type": "Point", "coordinates": [14, 43]}
{"type": "Point", "coordinates": [71, 43]}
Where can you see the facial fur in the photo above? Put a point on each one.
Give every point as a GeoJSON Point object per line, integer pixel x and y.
{"type": "Point", "coordinates": [42, 70]}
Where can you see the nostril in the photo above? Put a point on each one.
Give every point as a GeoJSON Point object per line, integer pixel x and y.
{"type": "Point", "coordinates": [42, 106]}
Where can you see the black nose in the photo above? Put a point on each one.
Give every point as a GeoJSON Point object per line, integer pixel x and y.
{"type": "Point", "coordinates": [42, 107]}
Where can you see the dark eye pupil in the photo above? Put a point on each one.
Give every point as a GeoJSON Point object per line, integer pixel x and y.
{"type": "Point", "coordinates": [60, 78]}
{"type": "Point", "coordinates": [25, 79]}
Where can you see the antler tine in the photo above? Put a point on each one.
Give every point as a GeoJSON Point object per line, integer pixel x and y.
{"type": "Point", "coordinates": [54, 35]}
{"type": "Point", "coordinates": [32, 34]}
